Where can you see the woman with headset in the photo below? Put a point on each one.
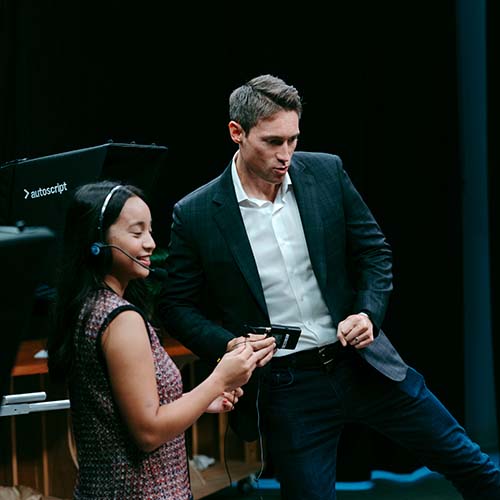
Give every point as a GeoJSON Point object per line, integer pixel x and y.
{"type": "Point", "coordinates": [128, 407]}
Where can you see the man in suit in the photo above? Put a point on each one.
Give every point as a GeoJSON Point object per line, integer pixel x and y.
{"type": "Point", "coordinates": [283, 237]}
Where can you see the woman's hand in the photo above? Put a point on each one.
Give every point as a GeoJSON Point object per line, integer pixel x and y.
{"type": "Point", "coordinates": [257, 342]}
{"type": "Point", "coordinates": [226, 402]}
{"type": "Point", "coordinates": [236, 366]}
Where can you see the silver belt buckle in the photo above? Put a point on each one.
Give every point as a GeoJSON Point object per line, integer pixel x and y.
{"type": "Point", "coordinates": [325, 361]}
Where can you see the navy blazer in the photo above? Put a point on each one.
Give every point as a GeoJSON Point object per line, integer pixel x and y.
{"type": "Point", "coordinates": [213, 286]}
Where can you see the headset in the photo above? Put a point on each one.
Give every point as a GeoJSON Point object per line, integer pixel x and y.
{"type": "Point", "coordinates": [102, 250]}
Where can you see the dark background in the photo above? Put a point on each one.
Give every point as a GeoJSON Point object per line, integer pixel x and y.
{"type": "Point", "coordinates": [379, 82]}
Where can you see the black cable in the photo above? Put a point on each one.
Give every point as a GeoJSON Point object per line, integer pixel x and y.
{"type": "Point", "coordinates": [226, 432]}
{"type": "Point", "coordinates": [225, 457]}
{"type": "Point", "coordinates": [261, 446]}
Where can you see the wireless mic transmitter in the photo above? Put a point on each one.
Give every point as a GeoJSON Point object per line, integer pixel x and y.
{"type": "Point", "coordinates": [286, 336]}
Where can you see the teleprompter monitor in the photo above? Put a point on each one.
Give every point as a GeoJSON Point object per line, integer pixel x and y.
{"type": "Point", "coordinates": [36, 192]}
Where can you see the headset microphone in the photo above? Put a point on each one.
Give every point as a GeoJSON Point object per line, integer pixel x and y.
{"type": "Point", "coordinates": [158, 273]}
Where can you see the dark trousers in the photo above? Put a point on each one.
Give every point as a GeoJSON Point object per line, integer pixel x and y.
{"type": "Point", "coordinates": [307, 409]}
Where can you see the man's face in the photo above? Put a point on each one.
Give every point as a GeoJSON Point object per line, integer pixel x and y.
{"type": "Point", "coordinates": [265, 152]}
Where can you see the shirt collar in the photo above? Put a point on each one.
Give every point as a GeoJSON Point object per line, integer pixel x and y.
{"type": "Point", "coordinates": [241, 195]}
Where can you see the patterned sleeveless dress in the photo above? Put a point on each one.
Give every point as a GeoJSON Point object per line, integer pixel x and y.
{"type": "Point", "coordinates": [111, 466]}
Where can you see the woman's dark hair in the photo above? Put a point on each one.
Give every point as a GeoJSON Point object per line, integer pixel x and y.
{"type": "Point", "coordinates": [81, 272]}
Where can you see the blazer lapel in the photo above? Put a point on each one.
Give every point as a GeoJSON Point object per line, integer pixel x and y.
{"type": "Point", "coordinates": [306, 196]}
{"type": "Point", "coordinates": [227, 216]}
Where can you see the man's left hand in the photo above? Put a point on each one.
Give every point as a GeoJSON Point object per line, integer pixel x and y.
{"type": "Point", "coordinates": [356, 330]}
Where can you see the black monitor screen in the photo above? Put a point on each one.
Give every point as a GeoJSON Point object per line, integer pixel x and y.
{"type": "Point", "coordinates": [37, 191]}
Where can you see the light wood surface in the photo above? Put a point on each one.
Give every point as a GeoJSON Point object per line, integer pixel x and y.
{"type": "Point", "coordinates": [27, 364]}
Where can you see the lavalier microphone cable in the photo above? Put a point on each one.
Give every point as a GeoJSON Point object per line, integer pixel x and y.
{"type": "Point", "coordinates": [260, 440]}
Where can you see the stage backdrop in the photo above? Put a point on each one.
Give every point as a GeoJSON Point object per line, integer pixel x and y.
{"type": "Point", "coordinates": [379, 83]}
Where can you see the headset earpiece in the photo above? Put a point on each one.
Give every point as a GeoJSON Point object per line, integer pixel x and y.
{"type": "Point", "coordinates": [96, 248]}
{"type": "Point", "coordinates": [101, 255]}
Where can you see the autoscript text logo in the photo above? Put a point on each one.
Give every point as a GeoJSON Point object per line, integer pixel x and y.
{"type": "Point", "coordinates": [59, 188]}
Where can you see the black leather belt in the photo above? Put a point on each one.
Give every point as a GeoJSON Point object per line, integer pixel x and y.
{"type": "Point", "coordinates": [324, 357]}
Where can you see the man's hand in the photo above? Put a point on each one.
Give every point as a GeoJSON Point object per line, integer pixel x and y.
{"type": "Point", "coordinates": [257, 343]}
{"type": "Point", "coordinates": [356, 330]}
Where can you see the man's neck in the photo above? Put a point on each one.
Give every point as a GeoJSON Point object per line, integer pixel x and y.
{"type": "Point", "coordinates": [255, 187]}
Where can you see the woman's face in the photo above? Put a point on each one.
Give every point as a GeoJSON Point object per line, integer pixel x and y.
{"type": "Point", "coordinates": [132, 233]}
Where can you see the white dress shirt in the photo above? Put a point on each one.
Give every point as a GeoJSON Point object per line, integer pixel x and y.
{"type": "Point", "coordinates": [279, 247]}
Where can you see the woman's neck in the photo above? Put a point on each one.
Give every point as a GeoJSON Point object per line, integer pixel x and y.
{"type": "Point", "coordinates": [115, 285]}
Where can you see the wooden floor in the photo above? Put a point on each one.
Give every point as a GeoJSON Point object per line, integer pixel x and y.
{"type": "Point", "coordinates": [215, 478]}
